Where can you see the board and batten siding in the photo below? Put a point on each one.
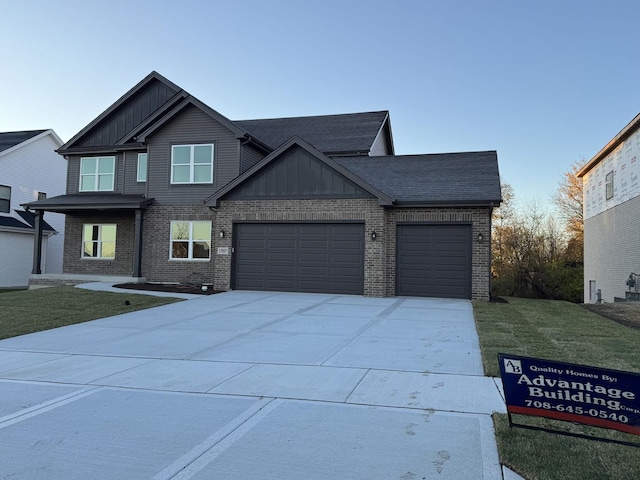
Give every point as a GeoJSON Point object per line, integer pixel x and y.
{"type": "Point", "coordinates": [192, 126]}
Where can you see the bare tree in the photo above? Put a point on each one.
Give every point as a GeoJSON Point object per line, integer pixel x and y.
{"type": "Point", "coordinates": [569, 201]}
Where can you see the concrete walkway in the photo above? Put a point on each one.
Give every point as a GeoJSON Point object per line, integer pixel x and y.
{"type": "Point", "coordinates": [253, 385]}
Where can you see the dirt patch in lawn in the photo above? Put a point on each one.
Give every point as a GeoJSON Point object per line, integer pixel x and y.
{"type": "Point", "coordinates": [170, 288]}
{"type": "Point", "coordinates": [627, 314]}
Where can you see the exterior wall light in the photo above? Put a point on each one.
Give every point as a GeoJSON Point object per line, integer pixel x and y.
{"type": "Point", "coordinates": [221, 233]}
{"type": "Point", "coordinates": [480, 238]}
{"type": "Point", "coordinates": [374, 235]}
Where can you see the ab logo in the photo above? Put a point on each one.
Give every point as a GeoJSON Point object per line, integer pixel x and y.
{"type": "Point", "coordinates": [512, 366]}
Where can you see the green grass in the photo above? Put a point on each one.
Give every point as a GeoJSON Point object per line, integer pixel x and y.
{"type": "Point", "coordinates": [28, 311]}
{"type": "Point", "coordinates": [564, 332]}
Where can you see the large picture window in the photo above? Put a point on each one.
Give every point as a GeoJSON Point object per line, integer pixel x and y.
{"type": "Point", "coordinates": [97, 174]}
{"type": "Point", "coordinates": [5, 199]}
{"type": "Point", "coordinates": [190, 240]}
{"type": "Point", "coordinates": [99, 241]}
{"type": "Point", "coordinates": [192, 163]}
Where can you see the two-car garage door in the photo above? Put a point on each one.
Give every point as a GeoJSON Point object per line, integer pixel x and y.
{"type": "Point", "coordinates": [431, 260]}
{"type": "Point", "coordinates": [300, 257]}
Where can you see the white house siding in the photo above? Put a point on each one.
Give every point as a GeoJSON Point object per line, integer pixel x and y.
{"type": "Point", "coordinates": [612, 249]}
{"type": "Point", "coordinates": [12, 267]}
{"type": "Point", "coordinates": [29, 168]}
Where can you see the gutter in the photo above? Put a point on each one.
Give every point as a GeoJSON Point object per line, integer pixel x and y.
{"type": "Point", "coordinates": [625, 133]}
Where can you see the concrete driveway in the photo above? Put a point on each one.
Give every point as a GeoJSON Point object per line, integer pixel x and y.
{"type": "Point", "coordinates": [253, 385]}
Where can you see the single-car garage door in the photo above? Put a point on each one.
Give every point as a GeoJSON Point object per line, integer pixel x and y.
{"type": "Point", "coordinates": [299, 257]}
{"type": "Point", "coordinates": [434, 261]}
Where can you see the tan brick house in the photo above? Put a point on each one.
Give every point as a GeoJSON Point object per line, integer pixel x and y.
{"type": "Point", "coordinates": [162, 188]}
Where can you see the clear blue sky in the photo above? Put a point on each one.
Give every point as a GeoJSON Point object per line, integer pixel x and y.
{"type": "Point", "coordinates": [544, 82]}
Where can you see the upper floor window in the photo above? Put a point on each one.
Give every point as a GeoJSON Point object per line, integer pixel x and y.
{"type": "Point", "coordinates": [190, 240]}
{"type": "Point", "coordinates": [5, 199]}
{"type": "Point", "coordinates": [42, 196]}
{"type": "Point", "coordinates": [192, 163]}
{"type": "Point", "coordinates": [97, 174]}
{"type": "Point", "coordinates": [99, 241]}
{"type": "Point", "coordinates": [609, 185]}
{"type": "Point", "coordinates": [142, 168]}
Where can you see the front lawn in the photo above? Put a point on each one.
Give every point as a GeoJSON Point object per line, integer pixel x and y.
{"type": "Point", "coordinates": [564, 332]}
{"type": "Point", "coordinates": [28, 311]}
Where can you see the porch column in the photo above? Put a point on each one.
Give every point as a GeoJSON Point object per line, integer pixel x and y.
{"type": "Point", "coordinates": [37, 243]}
{"type": "Point", "coordinates": [137, 244]}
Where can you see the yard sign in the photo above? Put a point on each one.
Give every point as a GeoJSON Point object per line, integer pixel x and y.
{"type": "Point", "coordinates": [573, 393]}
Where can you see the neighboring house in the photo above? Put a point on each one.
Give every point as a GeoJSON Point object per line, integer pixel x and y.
{"type": "Point", "coordinates": [162, 188]}
{"type": "Point", "coordinates": [611, 194]}
{"type": "Point", "coordinates": [30, 169]}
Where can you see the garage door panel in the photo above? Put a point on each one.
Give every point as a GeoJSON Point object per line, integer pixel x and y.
{"type": "Point", "coordinates": [279, 270]}
{"type": "Point", "coordinates": [434, 260]}
{"type": "Point", "coordinates": [325, 258]}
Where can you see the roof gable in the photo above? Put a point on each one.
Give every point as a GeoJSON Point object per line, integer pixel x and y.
{"type": "Point", "coordinates": [145, 101]}
{"type": "Point", "coordinates": [346, 134]}
{"type": "Point", "coordinates": [297, 170]}
{"type": "Point", "coordinates": [179, 107]}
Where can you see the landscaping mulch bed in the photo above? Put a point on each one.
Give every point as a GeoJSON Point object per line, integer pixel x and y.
{"type": "Point", "coordinates": [170, 288]}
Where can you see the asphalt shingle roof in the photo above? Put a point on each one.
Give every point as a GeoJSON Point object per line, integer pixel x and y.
{"type": "Point", "coordinates": [439, 178]}
{"type": "Point", "coordinates": [27, 222]}
{"type": "Point", "coordinates": [11, 139]}
{"type": "Point", "coordinates": [350, 133]}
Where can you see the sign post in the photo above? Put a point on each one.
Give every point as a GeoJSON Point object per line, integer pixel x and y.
{"type": "Point", "coordinates": [573, 393]}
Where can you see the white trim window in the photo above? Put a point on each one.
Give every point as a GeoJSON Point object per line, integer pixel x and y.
{"type": "Point", "coordinates": [192, 163]}
{"type": "Point", "coordinates": [97, 174]}
{"type": "Point", "coordinates": [5, 199]}
{"type": "Point", "coordinates": [190, 240]}
{"type": "Point", "coordinates": [141, 175]}
{"type": "Point", "coordinates": [98, 241]}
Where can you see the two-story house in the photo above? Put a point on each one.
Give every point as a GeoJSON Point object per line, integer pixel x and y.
{"type": "Point", "coordinates": [162, 188]}
{"type": "Point", "coordinates": [611, 203]}
{"type": "Point", "coordinates": [30, 169]}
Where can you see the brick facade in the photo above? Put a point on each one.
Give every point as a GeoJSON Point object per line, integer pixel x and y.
{"type": "Point", "coordinates": [156, 265]}
{"type": "Point", "coordinates": [380, 255]}
{"type": "Point", "coordinates": [121, 265]}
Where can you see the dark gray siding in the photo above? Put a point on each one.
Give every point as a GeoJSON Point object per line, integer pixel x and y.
{"type": "Point", "coordinates": [135, 111]}
{"type": "Point", "coordinates": [297, 174]}
{"type": "Point", "coordinates": [250, 156]}
{"type": "Point", "coordinates": [131, 185]}
{"type": "Point", "coordinates": [434, 261]}
{"type": "Point", "coordinates": [73, 174]}
{"type": "Point", "coordinates": [192, 126]}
